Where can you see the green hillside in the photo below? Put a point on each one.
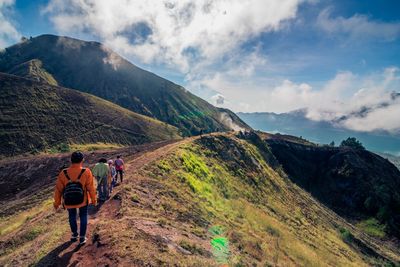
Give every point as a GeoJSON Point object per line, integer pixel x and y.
{"type": "Point", "coordinates": [355, 183]}
{"type": "Point", "coordinates": [213, 201]}
{"type": "Point", "coordinates": [36, 116]}
{"type": "Point", "coordinates": [91, 68]}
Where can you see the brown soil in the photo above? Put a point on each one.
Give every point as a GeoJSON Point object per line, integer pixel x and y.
{"type": "Point", "coordinates": [25, 182]}
{"type": "Point", "coordinates": [97, 251]}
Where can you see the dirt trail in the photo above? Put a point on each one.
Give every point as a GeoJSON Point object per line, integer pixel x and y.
{"type": "Point", "coordinates": [91, 254]}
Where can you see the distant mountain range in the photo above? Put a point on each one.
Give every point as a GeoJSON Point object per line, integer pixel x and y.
{"type": "Point", "coordinates": [92, 68]}
{"type": "Point", "coordinates": [296, 123]}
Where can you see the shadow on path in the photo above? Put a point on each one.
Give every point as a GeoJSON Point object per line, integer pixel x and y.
{"type": "Point", "coordinates": [92, 210]}
{"type": "Point", "coordinates": [53, 258]}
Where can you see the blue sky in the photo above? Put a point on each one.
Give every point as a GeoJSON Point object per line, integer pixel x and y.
{"type": "Point", "coordinates": [329, 57]}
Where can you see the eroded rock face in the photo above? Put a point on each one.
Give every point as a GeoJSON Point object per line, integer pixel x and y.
{"type": "Point", "coordinates": [354, 183]}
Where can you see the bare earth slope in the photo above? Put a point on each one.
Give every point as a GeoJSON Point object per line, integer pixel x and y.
{"type": "Point", "coordinates": [199, 202]}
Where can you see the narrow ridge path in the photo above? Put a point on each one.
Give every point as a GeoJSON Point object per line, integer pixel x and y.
{"type": "Point", "coordinates": [86, 255]}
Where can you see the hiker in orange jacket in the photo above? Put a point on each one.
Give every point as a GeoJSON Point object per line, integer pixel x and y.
{"type": "Point", "coordinates": [75, 190]}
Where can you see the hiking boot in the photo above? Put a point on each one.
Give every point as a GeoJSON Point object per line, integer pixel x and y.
{"type": "Point", "coordinates": [82, 241]}
{"type": "Point", "coordinates": [74, 238]}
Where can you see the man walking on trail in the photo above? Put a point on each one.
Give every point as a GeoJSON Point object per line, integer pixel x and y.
{"type": "Point", "coordinates": [119, 166]}
{"type": "Point", "coordinates": [102, 172]}
{"type": "Point", "coordinates": [75, 189]}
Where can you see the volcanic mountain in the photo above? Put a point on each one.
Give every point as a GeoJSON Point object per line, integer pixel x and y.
{"type": "Point", "coordinates": [92, 68]}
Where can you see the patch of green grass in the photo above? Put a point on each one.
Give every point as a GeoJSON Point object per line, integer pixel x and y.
{"type": "Point", "coordinates": [20, 240]}
{"type": "Point", "coordinates": [346, 235]}
{"type": "Point", "coordinates": [94, 146]}
{"type": "Point", "coordinates": [32, 234]}
{"type": "Point", "coordinates": [272, 231]}
{"type": "Point", "coordinates": [9, 224]}
{"type": "Point", "coordinates": [195, 165]}
{"type": "Point", "coordinates": [60, 148]}
{"type": "Point", "coordinates": [164, 166]}
{"type": "Point", "coordinates": [372, 227]}
{"type": "Point", "coordinates": [196, 185]}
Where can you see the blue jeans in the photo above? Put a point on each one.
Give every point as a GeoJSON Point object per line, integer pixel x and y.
{"type": "Point", "coordinates": [83, 217]}
{"type": "Point", "coordinates": [102, 187]}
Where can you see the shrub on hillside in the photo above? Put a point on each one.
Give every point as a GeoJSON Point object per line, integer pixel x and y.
{"type": "Point", "coordinates": [353, 143]}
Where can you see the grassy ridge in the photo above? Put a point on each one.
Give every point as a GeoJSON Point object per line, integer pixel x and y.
{"type": "Point", "coordinates": [33, 69]}
{"type": "Point", "coordinates": [36, 116]}
{"type": "Point", "coordinates": [210, 202]}
{"type": "Point", "coordinates": [222, 191]}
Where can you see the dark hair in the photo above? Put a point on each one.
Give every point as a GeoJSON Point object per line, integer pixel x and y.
{"type": "Point", "coordinates": [77, 157]}
{"type": "Point", "coordinates": [118, 156]}
{"type": "Point", "coordinates": [102, 160]}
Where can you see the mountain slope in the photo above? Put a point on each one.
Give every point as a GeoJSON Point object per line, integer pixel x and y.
{"type": "Point", "coordinates": [323, 132]}
{"type": "Point", "coordinates": [357, 184]}
{"type": "Point", "coordinates": [36, 116]}
{"type": "Point", "coordinates": [92, 68]}
{"type": "Point", "coordinates": [205, 201]}
{"type": "Point", "coordinates": [393, 159]}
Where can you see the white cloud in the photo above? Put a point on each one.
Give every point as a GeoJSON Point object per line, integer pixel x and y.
{"type": "Point", "coordinates": [218, 100]}
{"type": "Point", "coordinates": [358, 27]}
{"type": "Point", "coordinates": [179, 33]}
{"type": "Point", "coordinates": [386, 118]}
{"type": "Point", "coordinates": [362, 103]}
{"type": "Point", "coordinates": [112, 58]}
{"type": "Point", "coordinates": [8, 32]}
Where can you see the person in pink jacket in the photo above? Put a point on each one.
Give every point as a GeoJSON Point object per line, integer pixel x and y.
{"type": "Point", "coordinates": [119, 167]}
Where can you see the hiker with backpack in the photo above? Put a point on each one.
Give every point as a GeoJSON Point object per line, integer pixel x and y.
{"type": "Point", "coordinates": [102, 173]}
{"type": "Point", "coordinates": [75, 190]}
{"type": "Point", "coordinates": [119, 166]}
{"type": "Point", "coordinates": [113, 174]}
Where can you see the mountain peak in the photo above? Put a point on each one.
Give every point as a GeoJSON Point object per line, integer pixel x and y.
{"type": "Point", "coordinates": [92, 68]}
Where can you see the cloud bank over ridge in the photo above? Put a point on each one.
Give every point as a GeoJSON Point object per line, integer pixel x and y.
{"type": "Point", "coordinates": [179, 33]}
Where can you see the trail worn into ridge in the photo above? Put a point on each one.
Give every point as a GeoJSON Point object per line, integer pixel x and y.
{"type": "Point", "coordinates": [163, 214]}
{"type": "Point", "coordinates": [95, 252]}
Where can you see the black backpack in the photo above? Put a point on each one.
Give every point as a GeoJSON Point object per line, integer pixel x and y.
{"type": "Point", "coordinates": [73, 193]}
